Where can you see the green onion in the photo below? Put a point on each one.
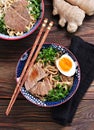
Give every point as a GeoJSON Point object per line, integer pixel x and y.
{"type": "Point", "coordinates": [47, 55]}
{"type": "Point", "coordinates": [35, 8]}
{"type": "Point", "coordinates": [3, 29]}
{"type": "Point", "coordinates": [57, 93]}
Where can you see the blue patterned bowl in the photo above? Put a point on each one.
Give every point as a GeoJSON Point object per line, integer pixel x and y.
{"type": "Point", "coordinates": [35, 26]}
{"type": "Point", "coordinates": [37, 101]}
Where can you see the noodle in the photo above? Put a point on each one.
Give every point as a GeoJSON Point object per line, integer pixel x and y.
{"type": "Point", "coordinates": [51, 69]}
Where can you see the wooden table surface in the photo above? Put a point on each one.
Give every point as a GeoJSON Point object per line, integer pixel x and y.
{"type": "Point", "coordinates": [25, 115]}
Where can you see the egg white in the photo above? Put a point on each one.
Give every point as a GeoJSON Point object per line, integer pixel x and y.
{"type": "Point", "coordinates": [69, 73]}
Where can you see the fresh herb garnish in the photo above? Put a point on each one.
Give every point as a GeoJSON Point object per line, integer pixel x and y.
{"type": "Point", "coordinates": [3, 29]}
{"type": "Point", "coordinates": [34, 8]}
{"type": "Point", "coordinates": [57, 93]}
{"type": "Point", "coordinates": [48, 55]}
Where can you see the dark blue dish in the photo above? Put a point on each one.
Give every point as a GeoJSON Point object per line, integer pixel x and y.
{"type": "Point", "coordinates": [37, 101]}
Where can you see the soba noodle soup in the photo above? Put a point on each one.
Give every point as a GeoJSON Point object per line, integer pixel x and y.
{"type": "Point", "coordinates": [18, 16]}
{"type": "Point", "coordinates": [44, 79]}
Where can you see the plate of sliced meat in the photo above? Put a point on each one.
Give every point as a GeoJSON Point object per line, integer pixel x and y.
{"type": "Point", "coordinates": [20, 18]}
{"type": "Point", "coordinates": [45, 84]}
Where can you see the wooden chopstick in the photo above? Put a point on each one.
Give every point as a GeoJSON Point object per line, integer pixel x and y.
{"type": "Point", "coordinates": [37, 51]}
{"type": "Point", "coordinates": [29, 64]}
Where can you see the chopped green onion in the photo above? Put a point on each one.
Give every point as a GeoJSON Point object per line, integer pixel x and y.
{"type": "Point", "coordinates": [2, 26]}
{"type": "Point", "coordinates": [57, 93]}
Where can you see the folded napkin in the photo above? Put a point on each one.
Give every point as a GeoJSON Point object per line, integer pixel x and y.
{"type": "Point", "coordinates": [84, 53]}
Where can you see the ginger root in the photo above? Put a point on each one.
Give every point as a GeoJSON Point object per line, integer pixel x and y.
{"type": "Point", "coordinates": [86, 5]}
{"type": "Point", "coordinates": [73, 15]}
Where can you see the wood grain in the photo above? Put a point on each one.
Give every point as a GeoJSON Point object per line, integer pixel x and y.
{"type": "Point", "coordinates": [25, 115]}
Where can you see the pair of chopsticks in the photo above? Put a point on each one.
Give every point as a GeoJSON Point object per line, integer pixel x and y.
{"type": "Point", "coordinates": [30, 61]}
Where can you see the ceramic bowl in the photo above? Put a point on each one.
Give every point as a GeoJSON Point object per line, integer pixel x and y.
{"type": "Point", "coordinates": [35, 26]}
{"type": "Point", "coordinates": [37, 101]}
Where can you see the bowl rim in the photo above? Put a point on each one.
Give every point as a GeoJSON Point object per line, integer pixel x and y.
{"type": "Point", "coordinates": [48, 106]}
{"type": "Point", "coordinates": [36, 25]}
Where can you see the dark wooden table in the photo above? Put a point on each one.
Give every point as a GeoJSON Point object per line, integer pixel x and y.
{"type": "Point", "coordinates": [25, 115]}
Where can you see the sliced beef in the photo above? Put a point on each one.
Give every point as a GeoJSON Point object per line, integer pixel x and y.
{"type": "Point", "coordinates": [24, 2]}
{"type": "Point", "coordinates": [14, 21]}
{"type": "Point", "coordinates": [17, 16]}
{"type": "Point", "coordinates": [36, 74]}
{"type": "Point", "coordinates": [39, 89]}
{"type": "Point", "coordinates": [42, 88]}
{"type": "Point", "coordinates": [21, 9]}
{"type": "Point", "coordinates": [48, 85]}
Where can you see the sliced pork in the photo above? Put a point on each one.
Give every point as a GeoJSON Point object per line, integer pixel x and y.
{"type": "Point", "coordinates": [42, 87]}
{"type": "Point", "coordinates": [24, 2]}
{"type": "Point", "coordinates": [36, 74]}
{"type": "Point", "coordinates": [17, 16]}
{"type": "Point", "coordinates": [21, 9]}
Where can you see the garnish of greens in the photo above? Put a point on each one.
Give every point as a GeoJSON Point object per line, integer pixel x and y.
{"type": "Point", "coordinates": [57, 93]}
{"type": "Point", "coordinates": [3, 29]}
{"type": "Point", "coordinates": [34, 8]}
{"type": "Point", "coordinates": [48, 55]}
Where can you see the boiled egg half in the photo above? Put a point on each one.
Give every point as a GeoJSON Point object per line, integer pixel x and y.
{"type": "Point", "coordinates": [66, 65]}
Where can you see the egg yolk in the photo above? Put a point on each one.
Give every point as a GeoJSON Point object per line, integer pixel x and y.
{"type": "Point", "coordinates": [65, 64]}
